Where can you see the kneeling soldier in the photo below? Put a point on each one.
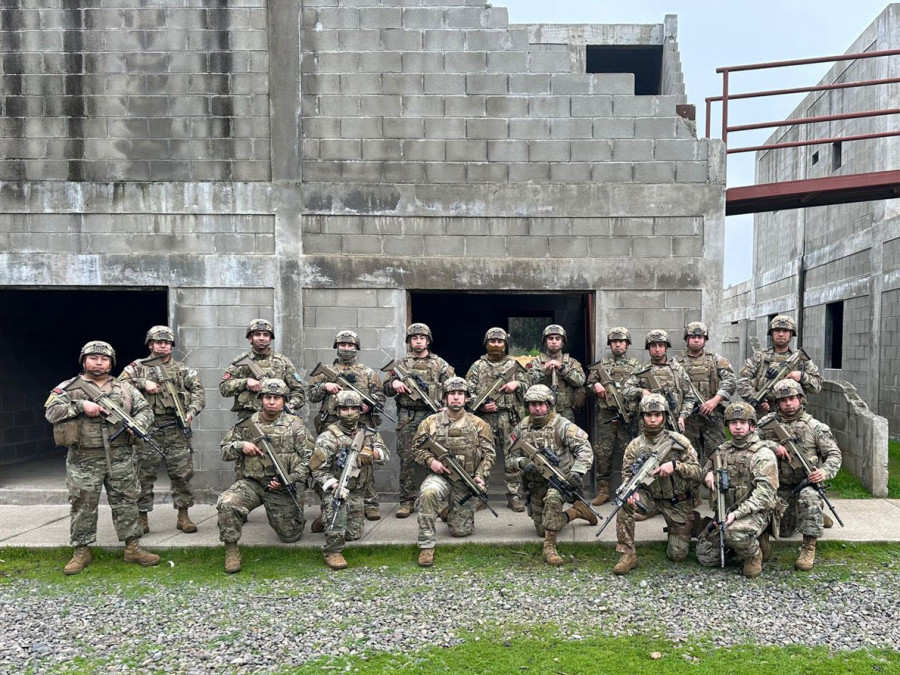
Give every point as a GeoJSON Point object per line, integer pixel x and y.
{"type": "Point", "coordinates": [258, 481]}
{"type": "Point", "coordinates": [471, 441]}
{"type": "Point", "coordinates": [749, 494]}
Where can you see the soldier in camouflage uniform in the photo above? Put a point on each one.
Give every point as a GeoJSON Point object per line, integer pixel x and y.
{"type": "Point", "coordinates": [805, 510]}
{"type": "Point", "coordinates": [762, 365]}
{"type": "Point", "coordinates": [434, 372]}
{"type": "Point", "coordinates": [256, 480]}
{"type": "Point", "coordinates": [177, 451]}
{"type": "Point", "coordinates": [713, 379]}
{"type": "Point", "coordinates": [239, 382]}
{"type": "Point", "coordinates": [750, 501]}
{"type": "Point", "coordinates": [543, 428]}
{"type": "Point", "coordinates": [95, 459]}
{"type": "Point", "coordinates": [471, 441]}
{"type": "Point", "coordinates": [347, 344]}
{"type": "Point", "coordinates": [504, 410]}
{"type": "Point", "coordinates": [672, 492]}
{"type": "Point", "coordinates": [327, 466]}
{"type": "Point", "coordinates": [610, 432]}
{"type": "Point", "coordinates": [569, 373]}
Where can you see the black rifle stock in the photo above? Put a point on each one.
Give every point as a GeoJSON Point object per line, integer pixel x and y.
{"type": "Point", "coordinates": [261, 439]}
{"type": "Point", "coordinates": [506, 375]}
{"type": "Point", "coordinates": [613, 396]}
{"type": "Point", "coordinates": [417, 387]}
{"type": "Point", "coordinates": [258, 373]}
{"type": "Point", "coordinates": [348, 462]}
{"type": "Point", "coordinates": [334, 375]}
{"type": "Point", "coordinates": [547, 464]}
{"type": "Point", "coordinates": [775, 374]}
{"type": "Point", "coordinates": [446, 458]}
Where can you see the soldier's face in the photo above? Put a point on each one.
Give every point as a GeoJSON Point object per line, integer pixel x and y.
{"type": "Point", "coordinates": [456, 400]}
{"type": "Point", "coordinates": [695, 342]}
{"type": "Point", "coordinates": [554, 343]}
{"type": "Point", "coordinates": [97, 364]}
{"type": "Point", "coordinates": [739, 428]}
{"type": "Point", "coordinates": [657, 350]}
{"type": "Point", "coordinates": [260, 340]}
{"type": "Point", "coordinates": [618, 347]}
{"type": "Point", "coordinates": [496, 346]}
{"type": "Point", "coordinates": [781, 337]}
{"type": "Point", "coordinates": [789, 405]}
{"type": "Point", "coordinates": [160, 347]}
{"type": "Point", "coordinates": [653, 420]}
{"type": "Point", "coordinates": [418, 343]}
{"type": "Point", "coordinates": [273, 403]}
{"type": "Point", "coordinates": [538, 408]}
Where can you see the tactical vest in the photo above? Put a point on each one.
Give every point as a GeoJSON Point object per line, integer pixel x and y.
{"type": "Point", "coordinates": [665, 375]}
{"type": "Point", "coordinates": [551, 436]}
{"type": "Point", "coordinates": [429, 369]}
{"type": "Point", "coordinates": [173, 370]}
{"type": "Point", "coordinates": [344, 442]}
{"type": "Point", "coordinates": [357, 375]}
{"type": "Point", "coordinates": [565, 392]}
{"type": "Point", "coordinates": [488, 372]}
{"type": "Point", "coordinates": [739, 464]}
{"type": "Point", "coordinates": [89, 432]}
{"type": "Point", "coordinates": [703, 373]}
{"type": "Point", "coordinates": [271, 365]}
{"type": "Point", "coordinates": [281, 438]}
{"type": "Point", "coordinates": [461, 440]}
{"type": "Point", "coordinates": [772, 360]}
{"type": "Point", "coordinates": [619, 370]}
{"type": "Point", "coordinates": [668, 487]}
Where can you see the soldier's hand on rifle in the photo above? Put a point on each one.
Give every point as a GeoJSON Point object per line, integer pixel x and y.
{"type": "Point", "coordinates": [365, 408]}
{"type": "Point", "coordinates": [251, 449]}
{"type": "Point", "coordinates": [709, 406]}
{"type": "Point", "coordinates": [479, 481]}
{"type": "Point", "coordinates": [574, 479]}
{"type": "Point", "coordinates": [490, 406]}
{"type": "Point", "coordinates": [151, 387]}
{"type": "Point", "coordinates": [188, 418]}
{"type": "Point", "coordinates": [92, 409]}
{"type": "Point", "coordinates": [331, 387]}
{"type": "Point", "coordinates": [729, 519]}
{"type": "Point", "coordinates": [253, 385]}
{"type": "Point", "coordinates": [400, 387]}
{"type": "Point", "coordinates": [340, 493]}
{"type": "Point", "coordinates": [366, 457]}
{"type": "Point", "coordinates": [274, 484]}
{"type": "Point", "coordinates": [681, 424]}
{"type": "Point", "coordinates": [634, 499]}
{"type": "Point", "coordinates": [530, 468]}
{"type": "Point", "coordinates": [664, 470]}
{"type": "Point", "coordinates": [438, 466]}
{"type": "Point", "coordinates": [709, 480]}
{"type": "Point", "coordinates": [764, 405]}
{"type": "Point", "coordinates": [509, 387]}
{"type": "Point", "coordinates": [553, 365]}
{"type": "Point", "coordinates": [795, 375]}
{"type": "Point", "coordinates": [782, 452]}
{"type": "Point", "coordinates": [600, 390]}
{"type": "Point", "coordinates": [817, 476]}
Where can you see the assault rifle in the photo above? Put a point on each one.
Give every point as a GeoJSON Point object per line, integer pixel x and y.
{"type": "Point", "coordinates": [547, 463]}
{"type": "Point", "coordinates": [641, 474]}
{"type": "Point", "coordinates": [671, 401]}
{"type": "Point", "coordinates": [171, 399]}
{"type": "Point", "coordinates": [348, 463]}
{"type": "Point", "coordinates": [258, 374]}
{"type": "Point", "coordinates": [774, 374]}
{"type": "Point", "coordinates": [506, 375]}
{"type": "Point", "coordinates": [332, 374]}
{"type": "Point", "coordinates": [418, 387]}
{"type": "Point", "coordinates": [613, 397]}
{"type": "Point", "coordinates": [799, 459]}
{"type": "Point", "coordinates": [554, 385]}
{"type": "Point", "coordinates": [449, 460]}
{"type": "Point", "coordinates": [722, 483]}
{"type": "Point", "coordinates": [262, 441]}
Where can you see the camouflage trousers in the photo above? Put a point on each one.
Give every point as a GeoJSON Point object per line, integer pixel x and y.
{"type": "Point", "coordinates": [608, 438]}
{"type": "Point", "coordinates": [408, 420]}
{"type": "Point", "coordinates": [679, 519]}
{"type": "Point", "coordinates": [245, 495]}
{"type": "Point", "coordinates": [436, 493]}
{"type": "Point", "coordinates": [371, 498]}
{"type": "Point", "coordinates": [179, 465]}
{"type": "Point", "coordinates": [502, 423]}
{"type": "Point", "coordinates": [348, 526]}
{"type": "Point", "coordinates": [705, 434]}
{"type": "Point", "coordinates": [805, 512]}
{"type": "Point", "coordinates": [545, 506]}
{"type": "Point", "coordinates": [741, 537]}
{"type": "Point", "coordinates": [86, 475]}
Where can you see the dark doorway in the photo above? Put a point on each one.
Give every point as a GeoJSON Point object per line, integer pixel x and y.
{"type": "Point", "coordinates": [40, 338]}
{"type": "Point", "coordinates": [644, 61]}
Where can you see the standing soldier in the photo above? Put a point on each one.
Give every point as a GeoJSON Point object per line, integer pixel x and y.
{"type": "Point", "coordinates": [257, 480]}
{"type": "Point", "coordinates": [471, 441]}
{"type": "Point", "coordinates": [612, 432]}
{"type": "Point", "coordinates": [504, 409]}
{"type": "Point", "coordinates": [432, 372]}
{"type": "Point", "coordinates": [545, 430]}
{"type": "Point", "coordinates": [559, 371]}
{"type": "Point", "coordinates": [713, 380]}
{"type": "Point", "coordinates": [672, 491]}
{"type": "Point", "coordinates": [98, 456]}
{"type": "Point", "coordinates": [347, 344]}
{"type": "Point", "coordinates": [750, 499]}
{"type": "Point", "coordinates": [176, 396]}
{"type": "Point", "coordinates": [245, 374]}
{"type": "Point", "coordinates": [343, 510]}
{"type": "Point", "coordinates": [805, 508]}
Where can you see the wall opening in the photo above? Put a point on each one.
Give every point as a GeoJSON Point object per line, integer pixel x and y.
{"type": "Point", "coordinates": [834, 334]}
{"type": "Point", "coordinates": [643, 61]}
{"type": "Point", "coordinates": [837, 155]}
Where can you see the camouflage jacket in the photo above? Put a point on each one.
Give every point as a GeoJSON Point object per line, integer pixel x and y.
{"type": "Point", "coordinates": [756, 371]}
{"type": "Point", "coordinates": [273, 364]}
{"type": "Point", "coordinates": [564, 438]}
{"type": "Point", "coordinates": [687, 472]}
{"type": "Point", "coordinates": [484, 372]}
{"type": "Point", "coordinates": [619, 368]}
{"type": "Point", "coordinates": [74, 430]}
{"type": "Point", "coordinates": [711, 374]}
{"type": "Point", "coordinates": [569, 378]}
{"type": "Point", "coordinates": [432, 369]}
{"type": "Point", "coordinates": [752, 473]}
{"type": "Point", "coordinates": [470, 439]}
{"type": "Point", "coordinates": [187, 383]}
{"type": "Point", "coordinates": [815, 440]}
{"type": "Point", "coordinates": [362, 377]}
{"type": "Point", "coordinates": [290, 442]}
{"type": "Point", "coordinates": [326, 460]}
{"type": "Point", "coordinates": [672, 378]}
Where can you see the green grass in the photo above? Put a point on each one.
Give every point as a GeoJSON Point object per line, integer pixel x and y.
{"type": "Point", "coordinates": [894, 469]}
{"type": "Point", "coordinates": [847, 486]}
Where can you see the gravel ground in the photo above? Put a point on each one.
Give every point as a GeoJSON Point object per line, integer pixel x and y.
{"type": "Point", "coordinates": [260, 626]}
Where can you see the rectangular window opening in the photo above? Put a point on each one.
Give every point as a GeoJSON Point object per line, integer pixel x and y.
{"type": "Point", "coordinates": [836, 155]}
{"type": "Point", "coordinates": [815, 157]}
{"type": "Point", "coordinates": [834, 334]}
{"type": "Point", "coordinates": [643, 61]}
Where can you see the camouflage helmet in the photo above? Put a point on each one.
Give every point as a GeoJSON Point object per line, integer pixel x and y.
{"type": "Point", "coordinates": [554, 329]}
{"type": "Point", "coordinates": [346, 398]}
{"type": "Point", "coordinates": [657, 335]}
{"type": "Point", "coordinates": [260, 324]}
{"type": "Point", "coordinates": [740, 411]}
{"type": "Point", "coordinates": [346, 336]}
{"type": "Point", "coordinates": [419, 329]}
{"type": "Point", "coordinates": [496, 333]}
{"type": "Point", "coordinates": [98, 347]}
{"type": "Point", "coordinates": [654, 403]}
{"type": "Point", "coordinates": [786, 388]}
{"type": "Point", "coordinates": [696, 328]}
{"type": "Point", "coordinates": [783, 322]}
{"type": "Point", "coordinates": [538, 393]}
{"type": "Point", "coordinates": [455, 384]}
{"type": "Point", "coordinates": [160, 333]}
{"type": "Point", "coordinates": [618, 333]}
{"type": "Point", "coordinates": [275, 386]}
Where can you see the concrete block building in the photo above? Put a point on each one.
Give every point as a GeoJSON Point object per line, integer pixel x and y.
{"type": "Point", "coordinates": [324, 164]}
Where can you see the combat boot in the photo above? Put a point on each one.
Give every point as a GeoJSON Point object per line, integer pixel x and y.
{"type": "Point", "coordinates": [426, 557]}
{"type": "Point", "coordinates": [551, 557]}
{"type": "Point", "coordinates": [602, 493]}
{"type": "Point", "coordinates": [335, 561]}
{"type": "Point", "coordinates": [372, 513]}
{"type": "Point", "coordinates": [317, 524]}
{"type": "Point", "coordinates": [81, 558]}
{"type": "Point", "coordinates": [753, 566]}
{"type": "Point", "coordinates": [184, 522]}
{"type": "Point", "coordinates": [764, 546]}
{"type": "Point", "coordinates": [144, 522]}
{"type": "Point", "coordinates": [579, 510]}
{"type": "Point", "coordinates": [233, 562]}
{"type": "Point", "coordinates": [135, 554]}
{"type": "Point", "coordinates": [627, 562]}
{"type": "Point", "coordinates": [513, 503]}
{"type": "Point", "coordinates": [405, 510]}
{"type": "Point", "coordinates": [807, 554]}
{"type": "Point", "coordinates": [827, 521]}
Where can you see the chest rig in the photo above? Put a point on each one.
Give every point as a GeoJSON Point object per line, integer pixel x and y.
{"type": "Point", "coordinates": [427, 372]}
{"type": "Point", "coordinates": [91, 429]}
{"type": "Point", "coordinates": [281, 438]}
{"type": "Point", "coordinates": [158, 401]}
{"type": "Point", "coordinates": [488, 373]}
{"type": "Point", "coordinates": [703, 373]}
{"type": "Point", "coordinates": [461, 440]}
{"type": "Point", "coordinates": [344, 442]}
{"type": "Point", "coordinates": [670, 488]}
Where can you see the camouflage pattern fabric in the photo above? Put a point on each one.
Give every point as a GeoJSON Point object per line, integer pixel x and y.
{"type": "Point", "coordinates": [568, 379]}
{"type": "Point", "coordinates": [610, 436]}
{"type": "Point", "coordinates": [245, 495]}
{"type": "Point", "coordinates": [752, 375]}
{"type": "Point", "coordinates": [672, 377]}
{"type": "Point", "coordinates": [273, 365]}
{"type": "Point", "coordinates": [711, 375]}
{"type": "Point", "coordinates": [436, 493]}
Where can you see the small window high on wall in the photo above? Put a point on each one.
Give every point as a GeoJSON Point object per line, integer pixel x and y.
{"type": "Point", "coordinates": [834, 334]}
{"type": "Point", "coordinates": [644, 61]}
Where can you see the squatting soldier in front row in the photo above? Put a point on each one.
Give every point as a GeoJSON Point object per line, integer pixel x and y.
{"type": "Point", "coordinates": [470, 440]}
{"type": "Point", "coordinates": [544, 429]}
{"type": "Point", "coordinates": [332, 459]}
{"type": "Point", "coordinates": [256, 478]}
{"type": "Point", "coordinates": [552, 365]}
{"type": "Point", "coordinates": [677, 478]}
{"type": "Point", "coordinates": [750, 500]}
{"type": "Point", "coordinates": [159, 377]}
{"type": "Point", "coordinates": [95, 459]}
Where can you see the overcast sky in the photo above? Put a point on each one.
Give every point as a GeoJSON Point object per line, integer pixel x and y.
{"type": "Point", "coordinates": [720, 33]}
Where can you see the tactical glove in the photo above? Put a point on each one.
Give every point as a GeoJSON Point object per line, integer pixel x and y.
{"type": "Point", "coordinates": [574, 479]}
{"type": "Point", "coordinates": [366, 457]}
